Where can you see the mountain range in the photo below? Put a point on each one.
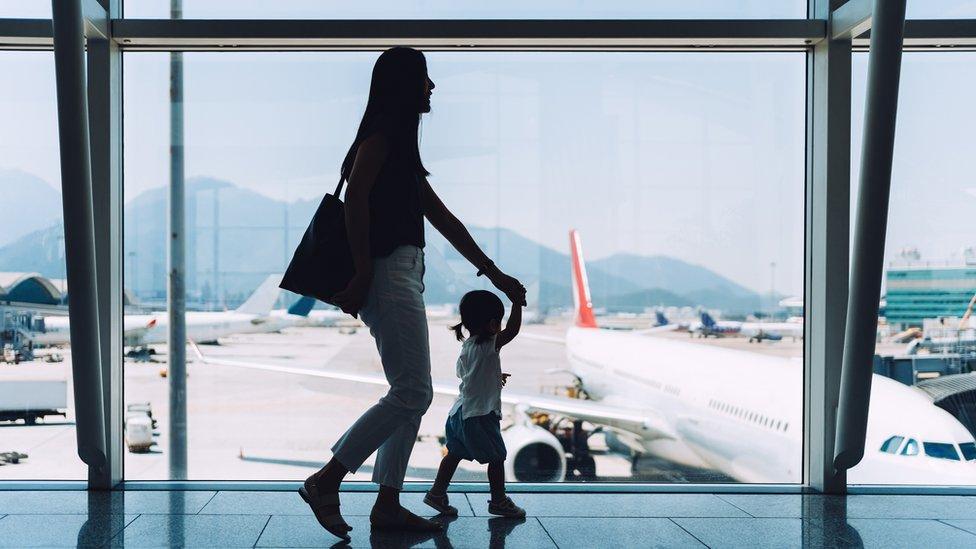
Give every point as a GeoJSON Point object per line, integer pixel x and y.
{"type": "Point", "coordinates": [255, 235]}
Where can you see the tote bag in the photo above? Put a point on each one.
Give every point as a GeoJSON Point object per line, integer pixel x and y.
{"type": "Point", "coordinates": [322, 263]}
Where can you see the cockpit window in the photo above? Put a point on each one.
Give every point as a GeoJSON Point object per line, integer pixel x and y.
{"type": "Point", "coordinates": [911, 448]}
{"type": "Point", "coordinates": [968, 450]}
{"type": "Point", "coordinates": [941, 450]}
{"type": "Point", "coordinates": [891, 445]}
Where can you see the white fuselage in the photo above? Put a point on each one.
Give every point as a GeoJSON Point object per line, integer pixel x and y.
{"type": "Point", "coordinates": [201, 326]}
{"type": "Point", "coordinates": [741, 413]}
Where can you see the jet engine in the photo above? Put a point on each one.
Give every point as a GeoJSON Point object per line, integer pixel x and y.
{"type": "Point", "coordinates": [534, 454]}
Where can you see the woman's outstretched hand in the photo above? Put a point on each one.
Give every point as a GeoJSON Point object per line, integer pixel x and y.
{"type": "Point", "coordinates": [509, 285]}
{"type": "Point", "coordinates": [351, 299]}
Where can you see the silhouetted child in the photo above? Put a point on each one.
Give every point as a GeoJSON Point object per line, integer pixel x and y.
{"type": "Point", "coordinates": [474, 424]}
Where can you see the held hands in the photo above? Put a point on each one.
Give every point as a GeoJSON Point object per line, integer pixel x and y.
{"type": "Point", "coordinates": [509, 285]}
{"type": "Point", "coordinates": [351, 299]}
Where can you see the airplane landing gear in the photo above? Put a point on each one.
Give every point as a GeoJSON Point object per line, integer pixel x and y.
{"type": "Point", "coordinates": [580, 464]}
{"type": "Point", "coordinates": [141, 354]}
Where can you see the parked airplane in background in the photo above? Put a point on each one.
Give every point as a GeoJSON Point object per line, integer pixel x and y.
{"type": "Point", "coordinates": [755, 331]}
{"type": "Point", "coordinates": [296, 315]}
{"type": "Point", "coordinates": [252, 316]}
{"type": "Point", "coordinates": [708, 326]}
{"type": "Point", "coordinates": [736, 412]}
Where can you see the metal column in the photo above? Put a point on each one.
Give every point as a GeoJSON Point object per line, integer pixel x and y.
{"type": "Point", "coordinates": [105, 113]}
{"type": "Point", "coordinates": [880, 109]}
{"type": "Point", "coordinates": [177, 268]}
{"type": "Point", "coordinates": [79, 230]}
{"type": "Point", "coordinates": [827, 240]}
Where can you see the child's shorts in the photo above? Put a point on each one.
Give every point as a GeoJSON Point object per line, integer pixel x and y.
{"type": "Point", "coordinates": [477, 438]}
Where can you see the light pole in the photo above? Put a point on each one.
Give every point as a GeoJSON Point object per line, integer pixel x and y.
{"type": "Point", "coordinates": [177, 266]}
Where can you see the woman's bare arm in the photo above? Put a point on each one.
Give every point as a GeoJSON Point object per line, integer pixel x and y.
{"type": "Point", "coordinates": [457, 234]}
{"type": "Point", "coordinates": [451, 227]}
{"type": "Point", "coordinates": [369, 160]}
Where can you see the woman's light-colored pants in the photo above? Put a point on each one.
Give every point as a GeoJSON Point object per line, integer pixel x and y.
{"type": "Point", "coordinates": [397, 319]}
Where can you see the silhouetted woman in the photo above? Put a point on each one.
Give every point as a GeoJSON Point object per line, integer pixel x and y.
{"type": "Point", "coordinates": [387, 199]}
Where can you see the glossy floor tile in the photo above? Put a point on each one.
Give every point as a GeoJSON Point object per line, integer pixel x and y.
{"type": "Point", "coordinates": [192, 531]}
{"type": "Point", "coordinates": [906, 533]}
{"type": "Point", "coordinates": [645, 533]}
{"type": "Point", "coordinates": [751, 533]}
{"type": "Point", "coordinates": [566, 520]}
{"type": "Point", "coordinates": [60, 530]}
{"type": "Point", "coordinates": [616, 505]}
{"type": "Point", "coordinates": [290, 503]}
{"type": "Point", "coordinates": [296, 531]}
{"type": "Point", "coordinates": [51, 502]}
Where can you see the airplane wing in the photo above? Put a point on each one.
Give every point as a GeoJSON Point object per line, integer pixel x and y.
{"type": "Point", "coordinates": [615, 417]}
{"type": "Point", "coordinates": [593, 411]}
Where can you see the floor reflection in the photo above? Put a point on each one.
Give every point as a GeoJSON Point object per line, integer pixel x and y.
{"type": "Point", "coordinates": [825, 523]}
{"type": "Point", "coordinates": [499, 529]}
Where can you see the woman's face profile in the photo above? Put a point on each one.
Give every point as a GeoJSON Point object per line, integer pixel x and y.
{"type": "Point", "coordinates": [428, 88]}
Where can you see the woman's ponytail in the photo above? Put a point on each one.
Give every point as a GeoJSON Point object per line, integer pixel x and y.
{"type": "Point", "coordinates": [457, 331]}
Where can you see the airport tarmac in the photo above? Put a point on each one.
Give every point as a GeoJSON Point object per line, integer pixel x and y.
{"type": "Point", "coordinates": [261, 425]}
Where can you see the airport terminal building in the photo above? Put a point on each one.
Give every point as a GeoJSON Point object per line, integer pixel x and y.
{"type": "Point", "coordinates": [917, 292]}
{"type": "Point", "coordinates": [164, 158]}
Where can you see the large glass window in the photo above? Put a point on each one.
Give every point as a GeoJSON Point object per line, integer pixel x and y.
{"type": "Point", "coordinates": [926, 351]}
{"type": "Point", "coordinates": [25, 9]}
{"type": "Point", "coordinates": [37, 434]}
{"type": "Point", "coordinates": [940, 9]}
{"type": "Point", "coordinates": [481, 9]}
{"type": "Point", "coordinates": [683, 174]}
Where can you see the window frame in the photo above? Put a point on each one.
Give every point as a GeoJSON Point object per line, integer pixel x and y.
{"type": "Point", "coordinates": [828, 148]}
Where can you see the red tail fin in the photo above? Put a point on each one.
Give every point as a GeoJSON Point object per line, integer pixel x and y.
{"type": "Point", "coordinates": [581, 287]}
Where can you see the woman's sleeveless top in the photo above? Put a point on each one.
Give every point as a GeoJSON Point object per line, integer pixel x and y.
{"type": "Point", "coordinates": [396, 216]}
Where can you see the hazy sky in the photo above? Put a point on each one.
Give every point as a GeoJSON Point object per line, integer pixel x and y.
{"type": "Point", "coordinates": [697, 156]}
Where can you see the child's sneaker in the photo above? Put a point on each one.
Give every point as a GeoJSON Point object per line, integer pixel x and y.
{"type": "Point", "coordinates": [440, 504]}
{"type": "Point", "coordinates": [505, 508]}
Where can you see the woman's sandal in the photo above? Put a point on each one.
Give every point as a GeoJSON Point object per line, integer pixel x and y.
{"type": "Point", "coordinates": [403, 521]}
{"type": "Point", "coordinates": [333, 522]}
{"type": "Point", "coordinates": [440, 504]}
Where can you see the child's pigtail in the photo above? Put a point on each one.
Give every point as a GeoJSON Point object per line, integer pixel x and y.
{"type": "Point", "coordinates": [457, 331]}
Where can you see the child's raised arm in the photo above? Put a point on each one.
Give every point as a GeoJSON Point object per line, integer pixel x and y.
{"type": "Point", "coordinates": [511, 327]}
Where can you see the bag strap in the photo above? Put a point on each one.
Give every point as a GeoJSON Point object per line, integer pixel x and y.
{"type": "Point", "coordinates": [338, 188]}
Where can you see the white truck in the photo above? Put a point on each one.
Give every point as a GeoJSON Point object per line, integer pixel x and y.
{"type": "Point", "coordinates": [32, 399]}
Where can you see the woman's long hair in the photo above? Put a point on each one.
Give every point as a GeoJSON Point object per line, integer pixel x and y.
{"type": "Point", "coordinates": [396, 95]}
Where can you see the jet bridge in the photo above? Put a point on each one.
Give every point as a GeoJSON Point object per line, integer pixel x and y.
{"type": "Point", "coordinates": [955, 394]}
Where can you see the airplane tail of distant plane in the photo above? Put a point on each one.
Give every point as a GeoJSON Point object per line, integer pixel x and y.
{"type": "Point", "coordinates": [661, 319]}
{"type": "Point", "coordinates": [302, 307]}
{"type": "Point", "coordinates": [264, 298]}
{"type": "Point", "coordinates": [707, 320]}
{"type": "Point", "coordinates": [581, 286]}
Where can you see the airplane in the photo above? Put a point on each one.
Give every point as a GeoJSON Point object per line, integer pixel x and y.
{"type": "Point", "coordinates": [660, 320]}
{"type": "Point", "coordinates": [253, 316]}
{"type": "Point", "coordinates": [708, 326]}
{"type": "Point", "coordinates": [296, 314]}
{"type": "Point", "coordinates": [302, 313]}
{"type": "Point", "coordinates": [735, 412]}
{"type": "Point", "coordinates": [755, 331]}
